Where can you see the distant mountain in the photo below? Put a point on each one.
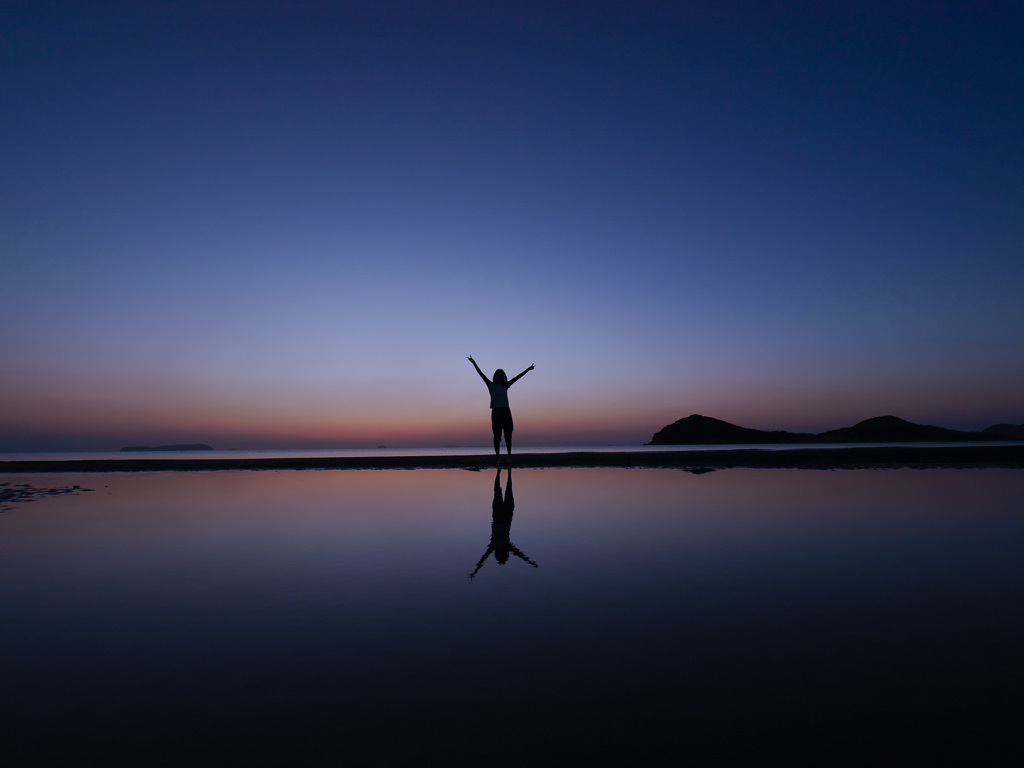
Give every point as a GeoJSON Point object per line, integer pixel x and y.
{"type": "Point", "coordinates": [1009, 431]}
{"type": "Point", "coordinates": [890, 429]}
{"type": "Point", "coordinates": [185, 447]}
{"type": "Point", "coordinates": [702, 430]}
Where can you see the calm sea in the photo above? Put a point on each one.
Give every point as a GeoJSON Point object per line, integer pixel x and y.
{"type": "Point", "coordinates": [437, 451]}
{"type": "Point", "coordinates": [575, 615]}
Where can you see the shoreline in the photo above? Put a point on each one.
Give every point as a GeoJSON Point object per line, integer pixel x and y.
{"type": "Point", "coordinates": [851, 457]}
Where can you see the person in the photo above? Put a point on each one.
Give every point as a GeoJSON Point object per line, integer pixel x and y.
{"type": "Point", "coordinates": [501, 414]}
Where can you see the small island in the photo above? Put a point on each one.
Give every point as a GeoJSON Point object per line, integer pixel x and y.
{"type": "Point", "coordinates": [181, 447]}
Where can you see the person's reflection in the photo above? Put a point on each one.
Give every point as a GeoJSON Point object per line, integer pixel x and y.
{"type": "Point", "coordinates": [501, 526]}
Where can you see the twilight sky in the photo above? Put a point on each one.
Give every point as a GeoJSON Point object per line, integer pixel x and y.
{"type": "Point", "coordinates": [260, 224]}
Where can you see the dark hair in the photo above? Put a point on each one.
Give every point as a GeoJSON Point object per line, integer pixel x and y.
{"type": "Point", "coordinates": [500, 377]}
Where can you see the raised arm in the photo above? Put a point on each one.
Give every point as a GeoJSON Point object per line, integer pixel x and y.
{"type": "Point", "coordinates": [486, 380]}
{"type": "Point", "coordinates": [514, 379]}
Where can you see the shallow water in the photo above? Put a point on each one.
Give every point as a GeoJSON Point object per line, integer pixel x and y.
{"type": "Point", "coordinates": [479, 450]}
{"type": "Point", "coordinates": [267, 617]}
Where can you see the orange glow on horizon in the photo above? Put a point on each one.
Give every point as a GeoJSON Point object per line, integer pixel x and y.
{"type": "Point", "coordinates": [108, 414]}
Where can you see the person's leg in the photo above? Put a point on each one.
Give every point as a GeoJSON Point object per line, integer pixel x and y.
{"type": "Point", "coordinates": [496, 429]}
{"type": "Point", "coordinates": [508, 434]}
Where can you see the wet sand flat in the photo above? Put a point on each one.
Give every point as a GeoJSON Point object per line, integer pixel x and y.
{"type": "Point", "coordinates": [851, 457]}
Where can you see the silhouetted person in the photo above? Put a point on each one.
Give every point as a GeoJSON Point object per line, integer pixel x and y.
{"type": "Point", "coordinates": [501, 526]}
{"type": "Point", "coordinates": [501, 414]}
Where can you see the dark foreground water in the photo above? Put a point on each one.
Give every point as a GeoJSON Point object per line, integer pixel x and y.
{"type": "Point", "coordinates": [852, 617]}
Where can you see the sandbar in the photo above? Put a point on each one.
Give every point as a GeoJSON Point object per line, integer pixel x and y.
{"type": "Point", "coordinates": [699, 460]}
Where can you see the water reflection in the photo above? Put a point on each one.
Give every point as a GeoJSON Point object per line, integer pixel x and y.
{"type": "Point", "coordinates": [501, 545]}
{"type": "Point", "coordinates": [282, 618]}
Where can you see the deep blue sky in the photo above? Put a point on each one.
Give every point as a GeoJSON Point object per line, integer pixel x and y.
{"type": "Point", "coordinates": [260, 225]}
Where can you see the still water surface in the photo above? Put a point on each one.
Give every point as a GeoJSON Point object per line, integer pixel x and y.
{"type": "Point", "coordinates": [268, 617]}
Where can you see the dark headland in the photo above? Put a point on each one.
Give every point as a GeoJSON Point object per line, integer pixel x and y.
{"type": "Point", "coordinates": [704, 430]}
{"type": "Point", "coordinates": [1012, 431]}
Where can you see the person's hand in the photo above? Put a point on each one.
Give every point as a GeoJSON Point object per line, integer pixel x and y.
{"type": "Point", "coordinates": [530, 368]}
{"type": "Point", "coordinates": [470, 358]}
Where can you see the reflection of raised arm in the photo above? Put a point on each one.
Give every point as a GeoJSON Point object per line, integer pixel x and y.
{"type": "Point", "coordinates": [518, 553]}
{"type": "Point", "coordinates": [514, 379]}
{"type": "Point", "coordinates": [480, 564]}
{"type": "Point", "coordinates": [486, 380]}
{"type": "Point", "coordinates": [512, 548]}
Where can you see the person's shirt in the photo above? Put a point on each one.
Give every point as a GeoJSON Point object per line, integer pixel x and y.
{"type": "Point", "coordinates": [499, 394]}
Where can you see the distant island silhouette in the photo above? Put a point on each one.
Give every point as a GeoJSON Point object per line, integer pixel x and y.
{"type": "Point", "coordinates": [704, 430]}
{"type": "Point", "coordinates": [1012, 431]}
{"type": "Point", "coordinates": [182, 447]}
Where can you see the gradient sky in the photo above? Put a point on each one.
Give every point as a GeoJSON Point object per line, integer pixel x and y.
{"type": "Point", "coordinates": [265, 224]}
